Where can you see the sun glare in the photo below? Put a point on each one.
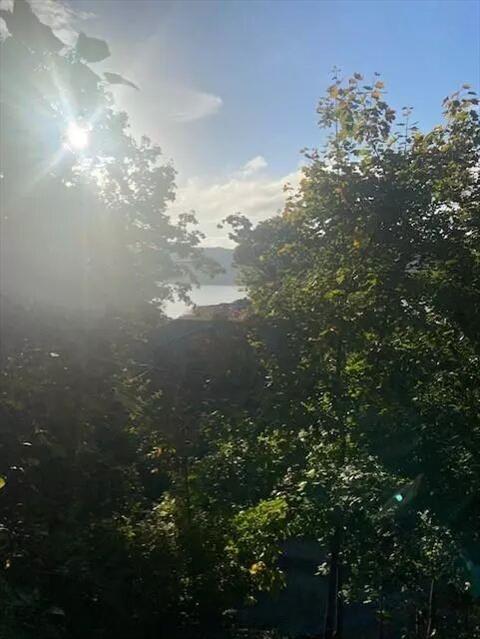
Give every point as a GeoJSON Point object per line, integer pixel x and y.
{"type": "Point", "coordinates": [77, 136]}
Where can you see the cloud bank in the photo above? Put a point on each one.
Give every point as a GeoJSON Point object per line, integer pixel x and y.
{"type": "Point", "coordinates": [250, 191]}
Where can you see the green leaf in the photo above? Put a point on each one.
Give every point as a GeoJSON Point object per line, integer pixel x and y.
{"type": "Point", "coordinates": [116, 78]}
{"type": "Point", "coordinates": [92, 49]}
{"type": "Point", "coordinates": [330, 295]}
{"type": "Point", "coordinates": [22, 23]}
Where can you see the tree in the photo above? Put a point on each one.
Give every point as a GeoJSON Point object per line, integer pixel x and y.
{"type": "Point", "coordinates": [84, 229]}
{"type": "Point", "coordinates": [369, 273]}
{"type": "Point", "coordinates": [83, 203]}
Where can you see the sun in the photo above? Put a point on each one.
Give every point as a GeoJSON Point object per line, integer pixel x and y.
{"type": "Point", "coordinates": [77, 136]}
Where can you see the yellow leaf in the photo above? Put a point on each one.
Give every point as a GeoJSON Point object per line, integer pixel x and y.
{"type": "Point", "coordinates": [257, 567]}
{"type": "Point", "coordinates": [333, 91]}
{"type": "Point", "coordinates": [2, 482]}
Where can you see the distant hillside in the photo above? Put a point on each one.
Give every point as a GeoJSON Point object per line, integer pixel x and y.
{"type": "Point", "coordinates": [224, 257]}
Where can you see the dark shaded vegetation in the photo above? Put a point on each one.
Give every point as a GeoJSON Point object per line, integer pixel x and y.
{"type": "Point", "coordinates": [312, 470]}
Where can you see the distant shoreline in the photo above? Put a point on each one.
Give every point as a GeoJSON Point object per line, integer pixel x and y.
{"type": "Point", "coordinates": [205, 295]}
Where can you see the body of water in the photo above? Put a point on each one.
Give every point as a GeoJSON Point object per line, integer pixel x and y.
{"type": "Point", "coordinates": [205, 296]}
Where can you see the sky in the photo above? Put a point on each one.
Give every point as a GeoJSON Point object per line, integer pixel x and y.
{"type": "Point", "coordinates": [228, 88]}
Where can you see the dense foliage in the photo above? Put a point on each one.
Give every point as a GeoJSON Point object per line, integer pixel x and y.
{"type": "Point", "coordinates": [372, 273]}
{"type": "Point", "coordinates": [144, 493]}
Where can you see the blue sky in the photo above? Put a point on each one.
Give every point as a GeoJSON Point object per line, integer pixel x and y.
{"type": "Point", "coordinates": [224, 82]}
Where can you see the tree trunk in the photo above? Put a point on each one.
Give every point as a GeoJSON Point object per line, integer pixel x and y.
{"type": "Point", "coordinates": [332, 594]}
{"type": "Point", "coordinates": [431, 610]}
{"type": "Point", "coordinates": [466, 620]}
{"type": "Point", "coordinates": [333, 628]}
{"type": "Point", "coordinates": [338, 634]}
{"type": "Point", "coordinates": [416, 620]}
{"type": "Point", "coordinates": [381, 625]}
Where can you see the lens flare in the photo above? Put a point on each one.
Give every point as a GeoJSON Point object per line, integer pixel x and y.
{"type": "Point", "coordinates": [77, 136]}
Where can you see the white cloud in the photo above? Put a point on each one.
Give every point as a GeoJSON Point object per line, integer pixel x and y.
{"type": "Point", "coordinates": [3, 30]}
{"type": "Point", "coordinates": [189, 105]}
{"type": "Point", "coordinates": [5, 5]}
{"type": "Point", "coordinates": [159, 109]}
{"type": "Point", "coordinates": [257, 197]}
{"type": "Point", "coordinates": [252, 166]}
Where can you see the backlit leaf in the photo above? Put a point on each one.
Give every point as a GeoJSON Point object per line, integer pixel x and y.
{"type": "Point", "coordinates": [92, 49]}
{"type": "Point", "coordinates": [116, 78]}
